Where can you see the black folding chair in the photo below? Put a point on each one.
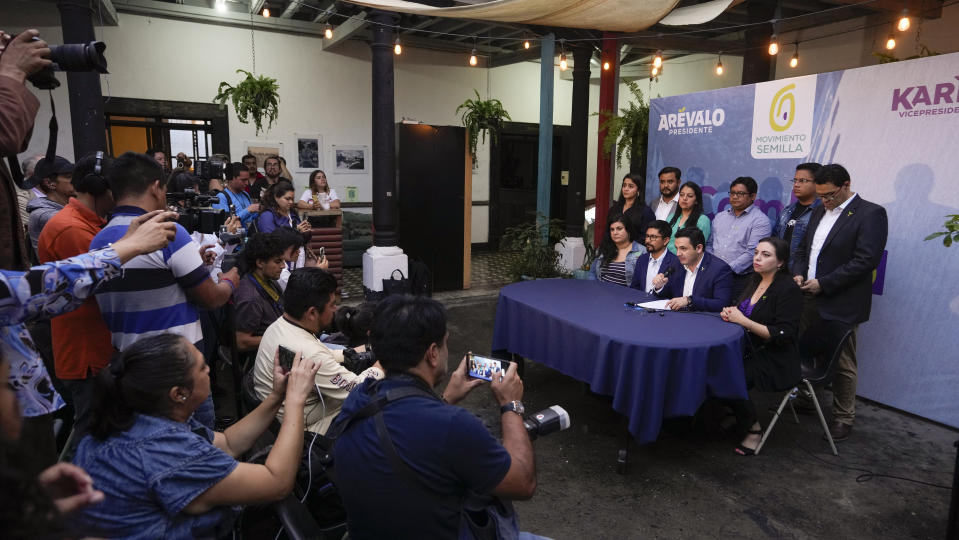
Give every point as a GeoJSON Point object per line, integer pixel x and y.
{"type": "Point", "coordinates": [819, 349]}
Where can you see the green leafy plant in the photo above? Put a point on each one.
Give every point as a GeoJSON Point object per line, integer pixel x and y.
{"type": "Point", "coordinates": [482, 115]}
{"type": "Point", "coordinates": [888, 58]}
{"type": "Point", "coordinates": [628, 132]}
{"type": "Point", "coordinates": [256, 97]}
{"type": "Point", "coordinates": [536, 258]}
{"type": "Point", "coordinates": [951, 234]}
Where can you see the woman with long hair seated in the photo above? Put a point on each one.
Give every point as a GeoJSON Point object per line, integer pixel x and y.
{"type": "Point", "coordinates": [163, 474]}
{"type": "Point", "coordinates": [278, 210]}
{"type": "Point", "coordinates": [769, 309]}
{"type": "Point", "coordinates": [617, 253]}
{"type": "Point", "coordinates": [689, 213]}
{"type": "Point", "coordinates": [319, 194]}
{"type": "Point", "coordinates": [632, 202]}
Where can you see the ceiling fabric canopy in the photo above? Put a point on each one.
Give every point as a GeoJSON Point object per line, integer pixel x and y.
{"type": "Point", "coordinates": [610, 15]}
{"type": "Point", "coordinates": [698, 14]}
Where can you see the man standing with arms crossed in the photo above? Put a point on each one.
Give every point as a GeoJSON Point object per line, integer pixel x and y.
{"type": "Point", "coordinates": [834, 264]}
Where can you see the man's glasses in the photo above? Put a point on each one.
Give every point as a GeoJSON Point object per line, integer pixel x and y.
{"type": "Point", "coordinates": [800, 180]}
{"type": "Point", "coordinates": [738, 194]}
{"type": "Point", "coordinates": [653, 237]}
{"type": "Point", "coordinates": [830, 196]}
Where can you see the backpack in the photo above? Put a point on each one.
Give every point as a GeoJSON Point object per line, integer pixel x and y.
{"type": "Point", "coordinates": [421, 281]}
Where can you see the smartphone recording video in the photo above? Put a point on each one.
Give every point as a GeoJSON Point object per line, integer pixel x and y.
{"type": "Point", "coordinates": [481, 367]}
{"type": "Point", "coordinates": [286, 358]}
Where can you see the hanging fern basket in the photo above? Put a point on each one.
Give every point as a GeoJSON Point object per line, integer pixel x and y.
{"type": "Point", "coordinates": [482, 116]}
{"type": "Point", "coordinates": [254, 98]}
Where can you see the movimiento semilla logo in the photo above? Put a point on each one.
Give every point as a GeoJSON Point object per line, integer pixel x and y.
{"type": "Point", "coordinates": [780, 119]}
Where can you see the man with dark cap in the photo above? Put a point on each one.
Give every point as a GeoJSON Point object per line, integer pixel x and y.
{"type": "Point", "coordinates": [54, 178]}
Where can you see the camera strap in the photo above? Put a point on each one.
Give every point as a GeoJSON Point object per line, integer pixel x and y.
{"type": "Point", "coordinates": [15, 171]}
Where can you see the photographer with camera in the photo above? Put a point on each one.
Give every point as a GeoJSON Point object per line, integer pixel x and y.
{"type": "Point", "coordinates": [404, 469]}
{"type": "Point", "coordinates": [235, 200]}
{"type": "Point", "coordinates": [309, 303]}
{"type": "Point", "coordinates": [183, 190]}
{"type": "Point", "coordinates": [160, 291]}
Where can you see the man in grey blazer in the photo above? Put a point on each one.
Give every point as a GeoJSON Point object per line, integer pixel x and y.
{"type": "Point", "coordinates": [833, 266]}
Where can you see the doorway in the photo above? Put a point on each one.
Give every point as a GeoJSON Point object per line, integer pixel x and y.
{"type": "Point", "coordinates": [514, 163]}
{"type": "Point", "coordinates": [196, 129]}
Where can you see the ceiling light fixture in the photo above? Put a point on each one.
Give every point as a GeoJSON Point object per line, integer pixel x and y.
{"type": "Point", "coordinates": [473, 59]}
{"type": "Point", "coordinates": [658, 59]}
{"type": "Point", "coordinates": [903, 23]}
{"type": "Point", "coordinates": [719, 65]}
{"type": "Point", "coordinates": [328, 31]}
{"type": "Point", "coordinates": [794, 61]}
{"type": "Point", "coordinates": [773, 45]}
{"type": "Point", "coordinates": [220, 5]}
{"type": "Point", "coordinates": [266, 12]}
{"type": "Point", "coordinates": [397, 48]}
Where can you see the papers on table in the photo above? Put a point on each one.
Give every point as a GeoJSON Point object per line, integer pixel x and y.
{"type": "Point", "coordinates": [655, 304]}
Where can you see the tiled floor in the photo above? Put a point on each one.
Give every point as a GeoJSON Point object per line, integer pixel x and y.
{"type": "Point", "coordinates": [489, 269]}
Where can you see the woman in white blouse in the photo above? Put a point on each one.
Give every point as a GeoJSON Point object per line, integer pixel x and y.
{"type": "Point", "coordinates": [319, 195]}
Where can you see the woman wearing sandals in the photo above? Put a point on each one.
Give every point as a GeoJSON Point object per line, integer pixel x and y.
{"type": "Point", "coordinates": [769, 310]}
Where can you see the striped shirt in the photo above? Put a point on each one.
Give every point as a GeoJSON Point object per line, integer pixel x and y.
{"type": "Point", "coordinates": [615, 273]}
{"type": "Point", "coordinates": [150, 297]}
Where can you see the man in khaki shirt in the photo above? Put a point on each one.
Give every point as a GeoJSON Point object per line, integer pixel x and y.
{"type": "Point", "coordinates": [308, 307]}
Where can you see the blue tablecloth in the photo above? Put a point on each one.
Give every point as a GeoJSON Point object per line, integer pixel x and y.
{"type": "Point", "coordinates": [653, 365]}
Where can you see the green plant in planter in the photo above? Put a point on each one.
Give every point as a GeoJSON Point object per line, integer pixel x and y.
{"type": "Point", "coordinates": [951, 234]}
{"type": "Point", "coordinates": [256, 97]}
{"type": "Point", "coordinates": [628, 132]}
{"type": "Point", "coordinates": [536, 259]}
{"type": "Point", "coordinates": [482, 115]}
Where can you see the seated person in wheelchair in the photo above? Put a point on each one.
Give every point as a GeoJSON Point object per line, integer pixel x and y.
{"type": "Point", "coordinates": [258, 295]}
{"type": "Point", "coordinates": [308, 307]}
{"type": "Point", "coordinates": [769, 309]}
{"type": "Point", "coordinates": [162, 473]}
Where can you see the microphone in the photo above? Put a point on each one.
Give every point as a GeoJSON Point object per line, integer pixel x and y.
{"type": "Point", "coordinates": [666, 274]}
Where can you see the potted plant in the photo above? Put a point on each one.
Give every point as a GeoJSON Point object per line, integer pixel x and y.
{"type": "Point", "coordinates": [629, 131]}
{"type": "Point", "coordinates": [583, 271]}
{"type": "Point", "coordinates": [256, 97]}
{"type": "Point", "coordinates": [534, 241]}
{"type": "Point", "coordinates": [482, 115]}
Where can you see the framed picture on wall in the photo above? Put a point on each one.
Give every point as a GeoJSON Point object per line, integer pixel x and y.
{"type": "Point", "coordinates": [309, 156]}
{"type": "Point", "coordinates": [351, 159]}
{"type": "Point", "coordinates": [262, 150]}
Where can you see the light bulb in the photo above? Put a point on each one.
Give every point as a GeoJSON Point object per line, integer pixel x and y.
{"type": "Point", "coordinates": [266, 12]}
{"type": "Point", "coordinates": [526, 44]}
{"type": "Point", "coordinates": [658, 60]}
{"type": "Point", "coordinates": [903, 23]}
{"type": "Point", "coordinates": [773, 46]}
{"type": "Point", "coordinates": [563, 65]}
{"type": "Point", "coordinates": [397, 48]}
{"type": "Point", "coordinates": [891, 42]}
{"type": "Point", "coordinates": [473, 57]}
{"type": "Point", "coordinates": [655, 70]}
{"type": "Point", "coordinates": [794, 61]}
{"type": "Point", "coordinates": [220, 5]}
{"type": "Point", "coordinates": [719, 68]}
{"type": "Point", "coordinates": [606, 66]}
{"type": "Point", "coordinates": [328, 32]}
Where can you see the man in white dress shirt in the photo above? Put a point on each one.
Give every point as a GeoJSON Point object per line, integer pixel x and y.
{"type": "Point", "coordinates": [665, 205]}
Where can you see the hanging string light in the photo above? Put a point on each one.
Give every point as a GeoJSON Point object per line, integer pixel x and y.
{"type": "Point", "coordinates": [220, 5]}
{"type": "Point", "coordinates": [655, 71]}
{"type": "Point", "coordinates": [773, 45]}
{"type": "Point", "coordinates": [473, 59]}
{"type": "Point", "coordinates": [658, 59]}
{"type": "Point", "coordinates": [525, 42]}
{"type": "Point", "coordinates": [266, 12]}
{"type": "Point", "coordinates": [328, 31]}
{"type": "Point", "coordinates": [719, 65]}
{"type": "Point", "coordinates": [794, 61]}
{"type": "Point", "coordinates": [891, 42]}
{"type": "Point", "coordinates": [903, 23]}
{"type": "Point", "coordinates": [606, 65]}
{"type": "Point", "coordinates": [397, 48]}
{"type": "Point", "coordinates": [563, 65]}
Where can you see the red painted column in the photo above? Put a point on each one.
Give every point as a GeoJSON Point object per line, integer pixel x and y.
{"type": "Point", "coordinates": [608, 84]}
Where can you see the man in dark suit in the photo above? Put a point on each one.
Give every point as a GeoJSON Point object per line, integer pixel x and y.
{"type": "Point", "coordinates": [657, 259]}
{"type": "Point", "coordinates": [706, 284]}
{"type": "Point", "coordinates": [833, 266]}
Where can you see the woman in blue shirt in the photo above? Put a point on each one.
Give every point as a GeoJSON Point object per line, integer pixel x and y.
{"type": "Point", "coordinates": [165, 475]}
{"type": "Point", "coordinates": [278, 210]}
{"type": "Point", "coordinates": [617, 253]}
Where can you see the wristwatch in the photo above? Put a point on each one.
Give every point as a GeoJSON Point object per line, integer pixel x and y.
{"type": "Point", "coordinates": [513, 406]}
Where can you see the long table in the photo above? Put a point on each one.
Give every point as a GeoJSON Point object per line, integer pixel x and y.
{"type": "Point", "coordinates": [654, 365]}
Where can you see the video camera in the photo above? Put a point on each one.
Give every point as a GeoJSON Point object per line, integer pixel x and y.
{"type": "Point", "coordinates": [197, 214]}
{"type": "Point", "coordinates": [70, 57]}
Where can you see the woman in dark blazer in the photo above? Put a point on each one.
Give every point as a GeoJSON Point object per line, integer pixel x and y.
{"type": "Point", "coordinates": [632, 203]}
{"type": "Point", "coordinates": [769, 310]}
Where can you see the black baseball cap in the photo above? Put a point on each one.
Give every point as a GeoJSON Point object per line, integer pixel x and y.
{"type": "Point", "coordinates": [46, 168]}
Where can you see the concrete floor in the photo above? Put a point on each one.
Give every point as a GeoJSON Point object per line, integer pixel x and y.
{"type": "Point", "coordinates": [691, 485]}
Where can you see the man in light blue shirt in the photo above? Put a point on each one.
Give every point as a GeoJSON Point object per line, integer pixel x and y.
{"type": "Point", "coordinates": [738, 229]}
{"type": "Point", "coordinates": [235, 196]}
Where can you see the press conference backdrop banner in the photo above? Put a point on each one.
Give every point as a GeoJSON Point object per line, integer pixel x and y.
{"type": "Point", "coordinates": [895, 127]}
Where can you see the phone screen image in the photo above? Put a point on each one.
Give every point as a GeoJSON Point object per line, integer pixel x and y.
{"type": "Point", "coordinates": [481, 367]}
{"type": "Point", "coordinates": [286, 358]}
